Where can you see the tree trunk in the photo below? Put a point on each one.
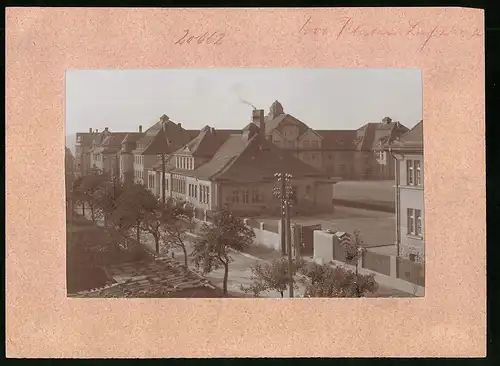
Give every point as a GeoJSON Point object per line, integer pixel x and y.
{"type": "Point", "coordinates": [226, 275]}
{"type": "Point", "coordinates": [83, 209]}
{"type": "Point", "coordinates": [157, 243]}
{"type": "Point", "coordinates": [138, 233]}
{"type": "Point", "coordinates": [281, 293]}
{"type": "Point", "coordinates": [185, 256]}
{"type": "Point", "coordinates": [92, 213]}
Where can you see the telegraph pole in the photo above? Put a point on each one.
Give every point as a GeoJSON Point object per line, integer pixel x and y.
{"type": "Point", "coordinates": [284, 194]}
{"type": "Point", "coordinates": [163, 177]}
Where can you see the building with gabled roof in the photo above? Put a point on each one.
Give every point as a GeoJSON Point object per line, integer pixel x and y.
{"type": "Point", "coordinates": [240, 172]}
{"type": "Point", "coordinates": [161, 139]}
{"type": "Point", "coordinates": [408, 152]}
{"type": "Point", "coordinates": [350, 154]}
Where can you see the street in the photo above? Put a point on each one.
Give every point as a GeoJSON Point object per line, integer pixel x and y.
{"type": "Point", "coordinates": [239, 269]}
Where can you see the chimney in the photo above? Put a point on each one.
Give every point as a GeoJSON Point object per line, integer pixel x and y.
{"type": "Point", "coordinates": [258, 120]}
{"type": "Point", "coordinates": [180, 125]}
{"type": "Point", "coordinates": [90, 130]}
{"type": "Point", "coordinates": [140, 129]}
{"type": "Point", "coordinates": [106, 129]}
{"type": "Point", "coordinates": [96, 130]}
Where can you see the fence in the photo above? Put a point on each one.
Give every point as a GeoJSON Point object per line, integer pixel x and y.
{"type": "Point", "coordinates": [410, 271]}
{"type": "Point", "coordinates": [253, 223]}
{"type": "Point", "coordinates": [274, 227]}
{"type": "Point", "coordinates": [377, 262]}
{"type": "Point", "coordinates": [396, 272]}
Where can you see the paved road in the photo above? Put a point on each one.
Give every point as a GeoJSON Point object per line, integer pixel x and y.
{"type": "Point", "coordinates": [240, 273]}
{"type": "Point", "coordinates": [382, 190]}
{"type": "Point", "coordinates": [377, 228]}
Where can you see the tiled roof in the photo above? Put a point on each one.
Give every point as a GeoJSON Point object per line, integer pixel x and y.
{"type": "Point", "coordinates": [414, 138]}
{"type": "Point", "coordinates": [277, 123]}
{"type": "Point", "coordinates": [158, 140]}
{"type": "Point", "coordinates": [162, 277]}
{"type": "Point", "coordinates": [366, 134]}
{"type": "Point", "coordinates": [338, 139]}
{"type": "Point", "coordinates": [251, 160]}
{"type": "Point", "coordinates": [132, 137]}
{"type": "Point", "coordinates": [208, 141]}
{"type": "Point", "coordinates": [231, 148]}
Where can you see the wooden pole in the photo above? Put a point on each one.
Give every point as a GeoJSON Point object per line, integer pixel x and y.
{"type": "Point", "coordinates": [283, 215]}
{"type": "Point", "coordinates": [289, 246]}
{"type": "Point", "coordinates": [163, 177]}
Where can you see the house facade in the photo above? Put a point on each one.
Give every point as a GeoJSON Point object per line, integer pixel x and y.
{"type": "Point", "coordinates": [236, 170]}
{"type": "Point", "coordinates": [86, 142]}
{"type": "Point", "coordinates": [408, 153]}
{"type": "Point", "coordinates": [159, 141]}
{"type": "Point", "coordinates": [350, 154]}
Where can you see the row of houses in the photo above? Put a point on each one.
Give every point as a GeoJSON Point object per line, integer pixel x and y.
{"type": "Point", "coordinates": [213, 168]}
{"type": "Point", "coordinates": [349, 154]}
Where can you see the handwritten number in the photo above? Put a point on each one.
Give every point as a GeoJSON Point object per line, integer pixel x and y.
{"type": "Point", "coordinates": [201, 38]}
{"type": "Point", "coordinates": [181, 40]}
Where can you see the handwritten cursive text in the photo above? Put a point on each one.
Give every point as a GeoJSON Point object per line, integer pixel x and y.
{"type": "Point", "coordinates": [205, 38]}
{"type": "Point", "coordinates": [424, 32]}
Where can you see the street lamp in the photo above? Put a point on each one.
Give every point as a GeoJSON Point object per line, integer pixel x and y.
{"type": "Point", "coordinates": [284, 192]}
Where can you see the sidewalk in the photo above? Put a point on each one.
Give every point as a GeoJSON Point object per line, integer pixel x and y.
{"type": "Point", "coordinates": [239, 269]}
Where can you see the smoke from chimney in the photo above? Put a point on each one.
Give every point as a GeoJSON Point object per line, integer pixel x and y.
{"type": "Point", "coordinates": [247, 103]}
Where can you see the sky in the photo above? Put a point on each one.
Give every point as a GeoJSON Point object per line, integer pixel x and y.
{"type": "Point", "coordinates": [322, 98]}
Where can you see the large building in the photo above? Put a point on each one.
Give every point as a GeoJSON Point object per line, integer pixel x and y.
{"type": "Point", "coordinates": [236, 170]}
{"type": "Point", "coordinates": [408, 152]}
{"type": "Point", "coordinates": [350, 154]}
{"type": "Point", "coordinates": [161, 139]}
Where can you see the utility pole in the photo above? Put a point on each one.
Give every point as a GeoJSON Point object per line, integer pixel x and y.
{"type": "Point", "coordinates": [284, 194]}
{"type": "Point", "coordinates": [163, 177]}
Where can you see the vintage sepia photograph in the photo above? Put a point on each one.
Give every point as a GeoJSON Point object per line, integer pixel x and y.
{"type": "Point", "coordinates": [244, 183]}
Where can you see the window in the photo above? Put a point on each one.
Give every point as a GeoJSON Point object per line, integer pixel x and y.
{"type": "Point", "coordinates": [208, 195]}
{"type": "Point", "coordinates": [306, 143]}
{"type": "Point", "coordinates": [195, 191]}
{"type": "Point", "coordinates": [255, 195]}
{"type": "Point", "coordinates": [413, 173]}
{"type": "Point", "coordinates": [236, 196]}
{"type": "Point", "coordinates": [418, 222]}
{"type": "Point", "coordinates": [411, 221]}
{"type": "Point", "coordinates": [409, 172]}
{"type": "Point", "coordinates": [176, 161]}
{"type": "Point", "coordinates": [412, 257]}
{"type": "Point", "coordinates": [418, 175]}
{"type": "Point", "coordinates": [245, 196]}
{"type": "Point", "coordinates": [314, 143]}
